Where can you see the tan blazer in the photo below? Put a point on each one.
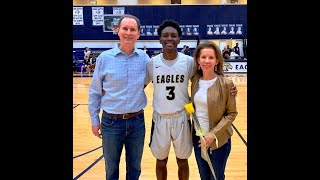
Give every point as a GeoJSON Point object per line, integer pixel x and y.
{"type": "Point", "coordinates": [222, 110]}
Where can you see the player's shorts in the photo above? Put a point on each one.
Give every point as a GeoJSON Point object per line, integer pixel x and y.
{"type": "Point", "coordinates": [171, 127]}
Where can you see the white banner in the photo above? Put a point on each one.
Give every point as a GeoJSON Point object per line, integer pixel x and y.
{"type": "Point", "coordinates": [97, 16]}
{"type": "Point", "coordinates": [235, 66]}
{"type": "Point", "coordinates": [118, 10]}
{"type": "Point", "coordinates": [78, 16]}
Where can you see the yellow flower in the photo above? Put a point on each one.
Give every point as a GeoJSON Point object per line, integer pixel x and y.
{"type": "Point", "coordinates": [199, 133]}
{"type": "Point", "coordinates": [189, 108]}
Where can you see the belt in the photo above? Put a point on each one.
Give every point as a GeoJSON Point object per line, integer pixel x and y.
{"type": "Point", "coordinates": [125, 116]}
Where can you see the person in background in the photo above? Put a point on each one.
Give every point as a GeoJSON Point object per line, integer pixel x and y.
{"type": "Point", "coordinates": [86, 53]}
{"type": "Point", "coordinates": [237, 49]}
{"type": "Point", "coordinates": [225, 53]}
{"type": "Point", "coordinates": [233, 55]}
{"type": "Point", "coordinates": [147, 51]}
{"type": "Point", "coordinates": [92, 63]}
{"type": "Point", "coordinates": [187, 51]}
{"type": "Point", "coordinates": [86, 56]}
{"type": "Point", "coordinates": [183, 49]}
{"type": "Point", "coordinates": [117, 89]}
{"type": "Point", "coordinates": [215, 109]}
{"type": "Point", "coordinates": [74, 62]}
{"type": "Point", "coordinates": [229, 49]}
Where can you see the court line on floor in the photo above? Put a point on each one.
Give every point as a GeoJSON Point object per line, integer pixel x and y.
{"type": "Point", "coordinates": [89, 167]}
{"type": "Point", "coordinates": [76, 106]}
{"type": "Point", "coordinates": [96, 161]}
{"type": "Point", "coordinates": [241, 137]}
{"type": "Point", "coordinates": [87, 152]}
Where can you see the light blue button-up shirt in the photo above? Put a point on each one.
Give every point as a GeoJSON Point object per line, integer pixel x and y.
{"type": "Point", "coordinates": [117, 83]}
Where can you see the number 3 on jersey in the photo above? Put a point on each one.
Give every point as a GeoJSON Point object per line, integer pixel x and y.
{"type": "Point", "coordinates": [170, 92]}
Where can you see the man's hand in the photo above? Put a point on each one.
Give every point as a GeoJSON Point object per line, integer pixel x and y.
{"type": "Point", "coordinates": [96, 131]}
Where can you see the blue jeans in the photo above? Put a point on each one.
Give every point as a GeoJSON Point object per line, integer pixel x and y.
{"type": "Point", "coordinates": [218, 159]}
{"type": "Point", "coordinates": [117, 132]}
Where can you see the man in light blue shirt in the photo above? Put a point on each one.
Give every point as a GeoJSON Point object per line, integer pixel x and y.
{"type": "Point", "coordinates": [117, 88]}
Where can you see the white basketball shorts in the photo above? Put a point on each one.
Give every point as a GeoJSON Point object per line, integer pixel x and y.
{"type": "Point", "coordinates": [171, 127]}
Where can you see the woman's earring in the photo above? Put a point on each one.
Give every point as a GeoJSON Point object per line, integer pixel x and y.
{"type": "Point", "coordinates": [199, 67]}
{"type": "Point", "coordinates": [215, 68]}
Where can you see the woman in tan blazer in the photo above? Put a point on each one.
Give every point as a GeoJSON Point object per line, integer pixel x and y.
{"type": "Point", "coordinates": [215, 109]}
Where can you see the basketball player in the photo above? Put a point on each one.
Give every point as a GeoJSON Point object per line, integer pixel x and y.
{"type": "Point", "coordinates": [170, 72]}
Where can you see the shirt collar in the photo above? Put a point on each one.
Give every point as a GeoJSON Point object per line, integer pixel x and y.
{"type": "Point", "coordinates": [117, 51]}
